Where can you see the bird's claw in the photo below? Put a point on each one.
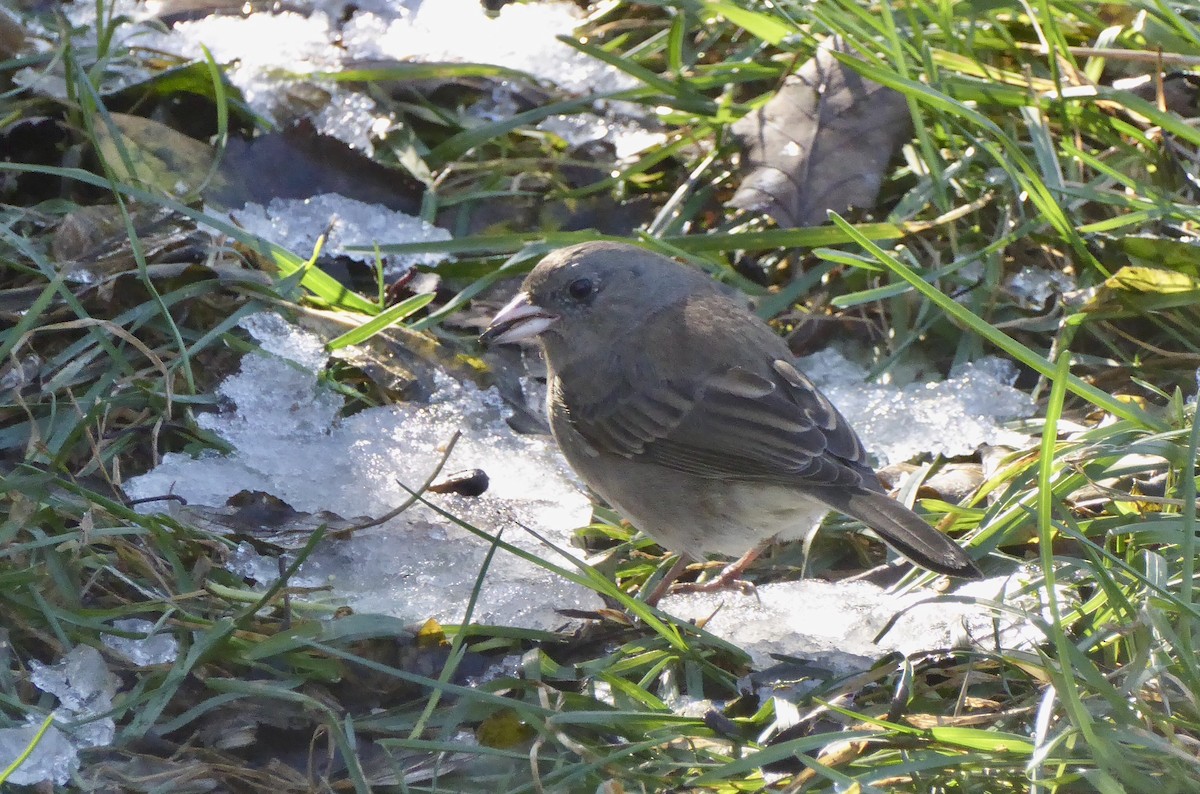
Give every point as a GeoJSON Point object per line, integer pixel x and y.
{"type": "Point", "coordinates": [721, 582]}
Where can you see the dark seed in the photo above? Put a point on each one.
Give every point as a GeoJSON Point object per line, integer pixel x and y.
{"type": "Point", "coordinates": [469, 482]}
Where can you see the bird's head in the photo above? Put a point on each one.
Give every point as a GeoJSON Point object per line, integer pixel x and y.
{"type": "Point", "coordinates": [591, 293]}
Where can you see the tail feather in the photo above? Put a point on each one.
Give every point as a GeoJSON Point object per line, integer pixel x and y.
{"type": "Point", "coordinates": [903, 530]}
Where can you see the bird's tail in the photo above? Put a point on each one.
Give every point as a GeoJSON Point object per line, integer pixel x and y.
{"type": "Point", "coordinates": [903, 530]}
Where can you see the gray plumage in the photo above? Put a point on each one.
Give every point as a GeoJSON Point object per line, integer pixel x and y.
{"type": "Point", "coordinates": [687, 414]}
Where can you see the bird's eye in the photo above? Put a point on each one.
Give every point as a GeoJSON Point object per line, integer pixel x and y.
{"type": "Point", "coordinates": [580, 288]}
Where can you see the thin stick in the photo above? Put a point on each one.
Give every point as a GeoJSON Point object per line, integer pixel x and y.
{"type": "Point", "coordinates": [416, 495]}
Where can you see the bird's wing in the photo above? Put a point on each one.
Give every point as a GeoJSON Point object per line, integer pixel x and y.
{"type": "Point", "coordinates": [767, 425]}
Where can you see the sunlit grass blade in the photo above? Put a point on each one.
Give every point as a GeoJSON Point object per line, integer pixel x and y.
{"type": "Point", "coordinates": [385, 319]}
{"type": "Point", "coordinates": [1004, 342]}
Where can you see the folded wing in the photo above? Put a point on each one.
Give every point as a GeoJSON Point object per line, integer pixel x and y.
{"type": "Point", "coordinates": [769, 425]}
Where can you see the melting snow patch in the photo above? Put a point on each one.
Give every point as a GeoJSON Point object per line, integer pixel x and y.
{"type": "Point", "coordinates": [1033, 286]}
{"type": "Point", "coordinates": [951, 417]}
{"type": "Point", "coordinates": [834, 624]}
{"type": "Point", "coordinates": [522, 36]}
{"type": "Point", "coordinates": [296, 224]}
{"type": "Point", "coordinates": [291, 443]}
{"type": "Point", "coordinates": [85, 689]}
{"type": "Point", "coordinates": [629, 138]}
{"type": "Point", "coordinates": [149, 649]}
{"type": "Point", "coordinates": [266, 50]}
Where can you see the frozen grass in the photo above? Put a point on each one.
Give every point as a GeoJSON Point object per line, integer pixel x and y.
{"type": "Point", "coordinates": [1004, 172]}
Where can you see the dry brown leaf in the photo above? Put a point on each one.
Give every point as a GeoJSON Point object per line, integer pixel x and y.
{"type": "Point", "coordinates": [822, 143]}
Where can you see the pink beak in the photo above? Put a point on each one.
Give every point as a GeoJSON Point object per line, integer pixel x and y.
{"type": "Point", "coordinates": [520, 319]}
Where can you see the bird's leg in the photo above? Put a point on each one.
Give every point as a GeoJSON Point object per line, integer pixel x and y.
{"type": "Point", "coordinates": [664, 586]}
{"type": "Point", "coordinates": [728, 578]}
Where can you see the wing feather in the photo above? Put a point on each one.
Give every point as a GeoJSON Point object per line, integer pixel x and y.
{"type": "Point", "coordinates": [771, 425]}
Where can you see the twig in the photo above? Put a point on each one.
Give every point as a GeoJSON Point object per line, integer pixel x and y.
{"type": "Point", "coordinates": [1113, 53]}
{"type": "Point", "coordinates": [414, 498]}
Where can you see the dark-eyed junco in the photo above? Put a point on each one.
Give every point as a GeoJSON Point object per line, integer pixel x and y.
{"type": "Point", "coordinates": [687, 414]}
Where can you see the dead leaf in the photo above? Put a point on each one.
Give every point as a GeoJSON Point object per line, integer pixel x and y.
{"type": "Point", "coordinates": [432, 635]}
{"type": "Point", "coordinates": [1180, 91]}
{"type": "Point", "coordinates": [92, 242]}
{"type": "Point", "coordinates": [152, 154]}
{"type": "Point", "coordinates": [299, 163]}
{"type": "Point", "coordinates": [265, 521]}
{"type": "Point", "coordinates": [1162, 252]}
{"type": "Point", "coordinates": [953, 482]}
{"type": "Point", "coordinates": [1151, 280]}
{"type": "Point", "coordinates": [12, 35]}
{"type": "Point", "coordinates": [504, 729]}
{"type": "Point", "coordinates": [1138, 290]}
{"type": "Point", "coordinates": [835, 754]}
{"type": "Point", "coordinates": [820, 144]}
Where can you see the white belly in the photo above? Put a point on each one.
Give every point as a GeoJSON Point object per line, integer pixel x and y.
{"type": "Point", "coordinates": [699, 516]}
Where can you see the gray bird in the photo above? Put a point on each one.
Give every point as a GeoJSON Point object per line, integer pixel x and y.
{"type": "Point", "coordinates": [685, 412]}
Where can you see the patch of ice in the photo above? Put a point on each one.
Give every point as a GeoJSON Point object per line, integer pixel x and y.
{"type": "Point", "coordinates": [54, 758]}
{"type": "Point", "coordinates": [296, 224]}
{"type": "Point", "coordinates": [142, 651]}
{"type": "Point", "coordinates": [521, 37]}
{"type": "Point", "coordinates": [1032, 286]}
{"type": "Point", "coordinates": [951, 417]}
{"type": "Point", "coordinates": [291, 443]}
{"type": "Point", "coordinates": [264, 49]}
{"type": "Point", "coordinates": [263, 46]}
{"type": "Point", "coordinates": [628, 138]}
{"type": "Point", "coordinates": [256, 43]}
{"type": "Point", "coordinates": [85, 689]}
{"type": "Point", "coordinates": [354, 118]}
{"type": "Point", "coordinates": [834, 624]}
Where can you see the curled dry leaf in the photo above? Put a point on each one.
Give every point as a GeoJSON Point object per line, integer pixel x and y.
{"type": "Point", "coordinates": [820, 144]}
